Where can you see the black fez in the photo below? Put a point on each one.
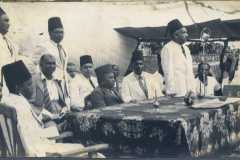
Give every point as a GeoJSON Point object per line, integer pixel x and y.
{"type": "Point", "coordinates": [137, 55]}
{"type": "Point", "coordinates": [15, 74]}
{"type": "Point", "coordinates": [85, 59]}
{"type": "Point", "coordinates": [2, 11]}
{"type": "Point", "coordinates": [54, 22]}
{"type": "Point", "coordinates": [173, 26]}
{"type": "Point", "coordinates": [104, 69]}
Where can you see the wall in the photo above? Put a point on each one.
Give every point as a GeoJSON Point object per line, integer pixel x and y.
{"type": "Point", "coordinates": [89, 27]}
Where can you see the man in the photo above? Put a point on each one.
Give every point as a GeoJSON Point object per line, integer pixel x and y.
{"type": "Point", "coordinates": [71, 70]}
{"type": "Point", "coordinates": [117, 78]}
{"type": "Point", "coordinates": [205, 83]}
{"type": "Point", "coordinates": [34, 136]}
{"type": "Point", "coordinates": [53, 45]}
{"type": "Point", "coordinates": [139, 85]}
{"type": "Point", "coordinates": [176, 61]}
{"type": "Point", "coordinates": [105, 94]}
{"type": "Point", "coordinates": [83, 84]}
{"type": "Point", "coordinates": [48, 92]}
{"type": "Point", "coordinates": [9, 51]}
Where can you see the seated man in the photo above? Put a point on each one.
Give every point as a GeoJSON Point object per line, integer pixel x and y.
{"type": "Point", "coordinates": [212, 87]}
{"type": "Point", "coordinates": [71, 70]}
{"type": "Point", "coordinates": [35, 138]}
{"type": "Point", "coordinates": [48, 98]}
{"type": "Point", "coordinates": [139, 85]}
{"type": "Point", "coordinates": [83, 84]}
{"type": "Point", "coordinates": [106, 94]}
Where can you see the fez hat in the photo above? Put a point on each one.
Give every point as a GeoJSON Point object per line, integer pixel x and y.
{"type": "Point", "coordinates": [2, 11]}
{"type": "Point", "coordinates": [137, 55]}
{"type": "Point", "coordinates": [15, 74]}
{"type": "Point", "coordinates": [173, 26]}
{"type": "Point", "coordinates": [85, 59]}
{"type": "Point", "coordinates": [104, 69]}
{"type": "Point", "coordinates": [54, 22]}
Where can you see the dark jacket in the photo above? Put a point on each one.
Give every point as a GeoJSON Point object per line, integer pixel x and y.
{"type": "Point", "coordinates": [101, 97]}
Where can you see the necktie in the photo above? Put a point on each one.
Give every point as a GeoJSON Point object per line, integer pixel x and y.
{"type": "Point", "coordinates": [91, 82]}
{"type": "Point", "coordinates": [183, 51]}
{"type": "Point", "coordinates": [62, 54]}
{"type": "Point", "coordinates": [46, 97]}
{"type": "Point", "coordinates": [143, 85]}
{"type": "Point", "coordinates": [8, 45]}
{"type": "Point", "coordinates": [63, 59]}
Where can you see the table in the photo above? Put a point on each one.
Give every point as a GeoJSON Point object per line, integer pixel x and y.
{"type": "Point", "coordinates": [173, 129]}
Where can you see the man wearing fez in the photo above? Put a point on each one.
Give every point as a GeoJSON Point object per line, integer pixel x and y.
{"type": "Point", "coordinates": [139, 85]}
{"type": "Point", "coordinates": [106, 94]}
{"type": "Point", "coordinates": [53, 46]}
{"type": "Point", "coordinates": [176, 61]}
{"type": "Point", "coordinates": [83, 84]}
{"type": "Point", "coordinates": [48, 98]}
{"type": "Point", "coordinates": [35, 135]}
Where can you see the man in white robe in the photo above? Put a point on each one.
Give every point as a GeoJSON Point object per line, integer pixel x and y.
{"type": "Point", "coordinates": [140, 85]}
{"type": "Point", "coordinates": [176, 61]}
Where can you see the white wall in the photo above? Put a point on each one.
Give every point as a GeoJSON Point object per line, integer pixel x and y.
{"type": "Point", "coordinates": [89, 26]}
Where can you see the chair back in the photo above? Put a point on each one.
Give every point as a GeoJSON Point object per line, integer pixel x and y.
{"type": "Point", "coordinates": [10, 141]}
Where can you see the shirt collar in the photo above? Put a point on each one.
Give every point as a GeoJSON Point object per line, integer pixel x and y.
{"type": "Point", "coordinates": [43, 77]}
{"type": "Point", "coordinates": [138, 76]}
{"type": "Point", "coordinates": [53, 43]}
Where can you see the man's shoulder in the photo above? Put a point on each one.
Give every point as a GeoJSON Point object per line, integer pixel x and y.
{"type": "Point", "coordinates": [169, 44]}
{"type": "Point", "coordinates": [97, 92]}
{"type": "Point", "coordinates": [128, 77]}
{"type": "Point", "coordinates": [13, 100]}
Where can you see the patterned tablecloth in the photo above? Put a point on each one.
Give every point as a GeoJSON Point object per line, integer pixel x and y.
{"type": "Point", "coordinates": [173, 129]}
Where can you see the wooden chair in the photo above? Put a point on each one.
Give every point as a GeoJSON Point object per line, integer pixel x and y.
{"type": "Point", "coordinates": [11, 144]}
{"type": "Point", "coordinates": [10, 141]}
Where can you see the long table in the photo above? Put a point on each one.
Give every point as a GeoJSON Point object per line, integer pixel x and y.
{"type": "Point", "coordinates": [172, 129]}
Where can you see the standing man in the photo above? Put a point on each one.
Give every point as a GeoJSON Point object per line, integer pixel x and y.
{"type": "Point", "coordinates": [106, 94]}
{"type": "Point", "coordinates": [176, 61]}
{"type": "Point", "coordinates": [140, 85]}
{"type": "Point", "coordinates": [53, 46]}
{"type": "Point", "coordinates": [83, 84]}
{"type": "Point", "coordinates": [9, 50]}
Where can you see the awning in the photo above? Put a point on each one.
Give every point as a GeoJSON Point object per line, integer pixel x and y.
{"type": "Point", "coordinates": [219, 29]}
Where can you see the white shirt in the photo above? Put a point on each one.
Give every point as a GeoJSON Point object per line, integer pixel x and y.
{"type": "Point", "coordinates": [178, 69]}
{"type": "Point", "coordinates": [52, 88]}
{"type": "Point", "coordinates": [131, 89]}
{"type": "Point", "coordinates": [80, 87]}
{"type": "Point", "coordinates": [212, 86]}
{"type": "Point", "coordinates": [236, 79]}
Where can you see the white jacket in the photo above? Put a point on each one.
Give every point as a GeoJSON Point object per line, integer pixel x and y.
{"type": "Point", "coordinates": [80, 87]}
{"type": "Point", "coordinates": [178, 70]}
{"type": "Point", "coordinates": [131, 89]}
